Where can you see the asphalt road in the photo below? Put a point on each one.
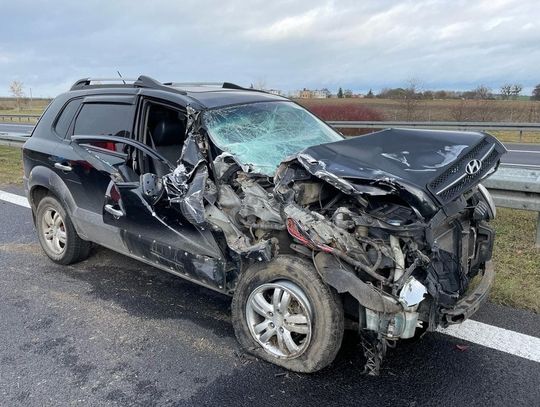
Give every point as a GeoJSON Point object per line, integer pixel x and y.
{"type": "Point", "coordinates": [112, 331]}
{"type": "Point", "coordinates": [16, 128]}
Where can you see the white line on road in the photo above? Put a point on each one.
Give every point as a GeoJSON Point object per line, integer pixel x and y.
{"type": "Point", "coordinates": [493, 337]}
{"type": "Point", "coordinates": [490, 336]}
{"type": "Point", "coordinates": [14, 199]}
{"type": "Point", "coordinates": [525, 151]}
{"type": "Point", "coordinates": [505, 164]}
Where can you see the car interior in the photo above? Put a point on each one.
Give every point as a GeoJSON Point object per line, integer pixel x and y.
{"type": "Point", "coordinates": [164, 131]}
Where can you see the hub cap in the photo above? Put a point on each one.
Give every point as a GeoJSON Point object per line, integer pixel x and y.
{"type": "Point", "coordinates": [279, 318]}
{"type": "Point", "coordinates": [54, 231]}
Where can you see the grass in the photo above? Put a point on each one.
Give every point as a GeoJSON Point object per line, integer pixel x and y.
{"type": "Point", "coordinates": [11, 170]}
{"type": "Point", "coordinates": [517, 262]}
{"type": "Point", "coordinates": [513, 136]}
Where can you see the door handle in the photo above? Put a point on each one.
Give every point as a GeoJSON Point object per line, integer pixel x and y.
{"type": "Point", "coordinates": [117, 213]}
{"type": "Point", "coordinates": [62, 167]}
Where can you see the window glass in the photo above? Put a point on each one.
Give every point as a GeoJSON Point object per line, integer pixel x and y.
{"type": "Point", "coordinates": [98, 119]}
{"type": "Point", "coordinates": [261, 135]}
{"type": "Point", "coordinates": [62, 124]}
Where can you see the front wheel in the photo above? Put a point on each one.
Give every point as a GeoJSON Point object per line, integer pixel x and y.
{"type": "Point", "coordinates": [283, 313]}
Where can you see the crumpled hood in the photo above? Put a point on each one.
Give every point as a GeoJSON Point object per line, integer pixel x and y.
{"type": "Point", "coordinates": [426, 160]}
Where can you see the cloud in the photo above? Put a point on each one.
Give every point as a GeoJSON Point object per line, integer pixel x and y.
{"type": "Point", "coordinates": [291, 44]}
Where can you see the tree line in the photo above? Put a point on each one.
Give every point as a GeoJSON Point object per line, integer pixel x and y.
{"type": "Point", "coordinates": [508, 91]}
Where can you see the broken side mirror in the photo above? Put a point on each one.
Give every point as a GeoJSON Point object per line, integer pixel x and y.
{"type": "Point", "coordinates": [152, 187]}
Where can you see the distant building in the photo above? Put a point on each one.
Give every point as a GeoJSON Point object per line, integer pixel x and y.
{"type": "Point", "coordinates": [305, 94]}
{"type": "Point", "coordinates": [314, 94]}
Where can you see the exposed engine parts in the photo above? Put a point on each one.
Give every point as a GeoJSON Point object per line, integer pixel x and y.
{"type": "Point", "coordinates": [403, 261]}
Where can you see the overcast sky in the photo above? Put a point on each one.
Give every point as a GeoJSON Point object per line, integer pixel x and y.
{"type": "Point", "coordinates": [285, 44]}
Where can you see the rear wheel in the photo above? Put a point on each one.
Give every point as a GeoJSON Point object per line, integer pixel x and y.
{"type": "Point", "coordinates": [284, 313]}
{"type": "Point", "coordinates": [56, 233]}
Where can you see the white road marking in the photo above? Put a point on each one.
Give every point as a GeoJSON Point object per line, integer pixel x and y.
{"type": "Point", "coordinates": [505, 164]}
{"type": "Point", "coordinates": [525, 151]}
{"type": "Point", "coordinates": [14, 199]}
{"type": "Point", "coordinates": [490, 336]}
{"type": "Point", "coordinates": [500, 339]}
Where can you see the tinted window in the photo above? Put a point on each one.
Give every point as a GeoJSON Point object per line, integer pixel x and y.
{"type": "Point", "coordinates": [63, 122]}
{"type": "Point", "coordinates": [104, 119]}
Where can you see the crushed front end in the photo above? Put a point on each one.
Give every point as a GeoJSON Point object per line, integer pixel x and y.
{"type": "Point", "coordinates": [406, 234]}
{"type": "Point", "coordinates": [396, 221]}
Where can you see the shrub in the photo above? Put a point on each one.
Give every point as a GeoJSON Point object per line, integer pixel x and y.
{"type": "Point", "coordinates": [344, 111]}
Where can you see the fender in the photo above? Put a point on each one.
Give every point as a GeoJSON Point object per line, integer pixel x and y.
{"type": "Point", "coordinates": [41, 176]}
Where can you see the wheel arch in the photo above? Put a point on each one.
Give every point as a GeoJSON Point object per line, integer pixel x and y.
{"type": "Point", "coordinates": [43, 181]}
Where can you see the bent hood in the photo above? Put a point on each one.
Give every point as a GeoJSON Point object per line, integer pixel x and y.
{"type": "Point", "coordinates": [443, 164]}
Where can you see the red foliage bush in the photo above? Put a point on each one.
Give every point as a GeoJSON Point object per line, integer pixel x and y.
{"type": "Point", "coordinates": [343, 111]}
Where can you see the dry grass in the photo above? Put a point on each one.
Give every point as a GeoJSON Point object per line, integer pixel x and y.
{"type": "Point", "coordinates": [517, 261]}
{"type": "Point", "coordinates": [514, 136]}
{"type": "Point", "coordinates": [446, 109]}
{"type": "Point", "coordinates": [11, 170]}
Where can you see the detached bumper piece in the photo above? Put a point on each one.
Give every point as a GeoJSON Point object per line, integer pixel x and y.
{"type": "Point", "coordinates": [469, 303]}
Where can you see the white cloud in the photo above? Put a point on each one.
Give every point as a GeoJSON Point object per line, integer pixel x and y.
{"type": "Point", "coordinates": [360, 45]}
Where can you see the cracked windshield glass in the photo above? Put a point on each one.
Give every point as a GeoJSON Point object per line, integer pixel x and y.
{"type": "Point", "coordinates": [261, 135]}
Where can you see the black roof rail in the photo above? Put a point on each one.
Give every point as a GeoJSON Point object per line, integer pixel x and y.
{"type": "Point", "coordinates": [141, 82]}
{"type": "Point", "coordinates": [223, 85]}
{"type": "Point", "coordinates": [82, 83]}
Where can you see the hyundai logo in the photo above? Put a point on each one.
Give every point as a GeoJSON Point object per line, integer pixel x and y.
{"type": "Point", "coordinates": [473, 167]}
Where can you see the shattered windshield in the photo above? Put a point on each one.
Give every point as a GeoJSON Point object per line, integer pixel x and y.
{"type": "Point", "coordinates": [262, 134]}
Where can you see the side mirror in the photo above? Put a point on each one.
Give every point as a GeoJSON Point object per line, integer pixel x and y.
{"type": "Point", "coordinates": [152, 187]}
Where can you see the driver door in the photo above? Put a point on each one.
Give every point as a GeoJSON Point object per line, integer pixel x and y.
{"type": "Point", "coordinates": [137, 208]}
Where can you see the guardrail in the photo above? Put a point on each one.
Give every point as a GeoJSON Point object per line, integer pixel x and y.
{"type": "Point", "coordinates": [500, 126]}
{"type": "Point", "coordinates": [516, 188]}
{"type": "Point", "coordinates": [517, 127]}
{"type": "Point", "coordinates": [19, 118]}
{"type": "Point", "coordinates": [436, 125]}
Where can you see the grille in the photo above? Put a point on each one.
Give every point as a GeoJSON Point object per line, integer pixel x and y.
{"type": "Point", "coordinates": [458, 169]}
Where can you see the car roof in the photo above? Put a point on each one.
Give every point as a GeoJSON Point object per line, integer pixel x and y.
{"type": "Point", "coordinates": [208, 96]}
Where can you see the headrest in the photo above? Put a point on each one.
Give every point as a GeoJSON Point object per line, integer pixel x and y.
{"type": "Point", "coordinates": [168, 132]}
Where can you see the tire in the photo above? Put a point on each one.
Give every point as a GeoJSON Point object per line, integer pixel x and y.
{"type": "Point", "coordinates": [57, 235]}
{"type": "Point", "coordinates": [318, 335]}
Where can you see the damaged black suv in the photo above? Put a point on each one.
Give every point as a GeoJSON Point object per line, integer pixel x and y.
{"type": "Point", "coordinates": [249, 194]}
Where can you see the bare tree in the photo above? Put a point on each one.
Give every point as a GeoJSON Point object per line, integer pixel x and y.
{"type": "Point", "coordinates": [16, 88]}
{"type": "Point", "coordinates": [536, 93]}
{"type": "Point", "coordinates": [506, 91]}
{"type": "Point", "coordinates": [459, 111]}
{"type": "Point", "coordinates": [482, 92]}
{"type": "Point", "coordinates": [411, 97]}
{"type": "Point", "coordinates": [516, 90]}
{"type": "Point", "coordinates": [260, 84]}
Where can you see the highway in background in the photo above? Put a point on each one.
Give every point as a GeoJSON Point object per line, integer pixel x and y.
{"type": "Point", "coordinates": [519, 154]}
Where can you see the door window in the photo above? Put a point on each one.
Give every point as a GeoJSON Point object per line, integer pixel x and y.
{"type": "Point", "coordinates": [104, 119]}
{"type": "Point", "coordinates": [66, 116]}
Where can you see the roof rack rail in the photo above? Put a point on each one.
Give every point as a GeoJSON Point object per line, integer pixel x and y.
{"type": "Point", "coordinates": [223, 85]}
{"type": "Point", "coordinates": [141, 82]}
{"type": "Point", "coordinates": [179, 84]}
{"type": "Point", "coordinates": [81, 83]}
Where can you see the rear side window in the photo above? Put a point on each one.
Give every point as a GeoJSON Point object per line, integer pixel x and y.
{"type": "Point", "coordinates": [109, 119]}
{"type": "Point", "coordinates": [64, 120]}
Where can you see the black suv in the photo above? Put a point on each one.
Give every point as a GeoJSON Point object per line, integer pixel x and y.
{"type": "Point", "coordinates": [249, 194]}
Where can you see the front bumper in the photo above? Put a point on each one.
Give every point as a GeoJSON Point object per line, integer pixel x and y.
{"type": "Point", "coordinates": [469, 304]}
